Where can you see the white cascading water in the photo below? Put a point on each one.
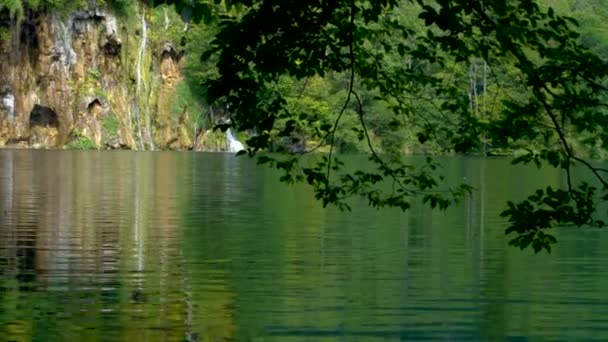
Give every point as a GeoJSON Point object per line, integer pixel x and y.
{"type": "Point", "coordinates": [167, 21]}
{"type": "Point", "coordinates": [142, 50]}
{"type": "Point", "coordinates": [111, 24]}
{"type": "Point", "coordinates": [233, 144]}
{"type": "Point", "coordinates": [63, 44]}
{"type": "Point", "coordinates": [8, 101]}
{"type": "Point", "coordinates": [139, 80]}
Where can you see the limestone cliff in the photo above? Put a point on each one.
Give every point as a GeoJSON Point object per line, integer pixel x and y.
{"type": "Point", "coordinates": [93, 79]}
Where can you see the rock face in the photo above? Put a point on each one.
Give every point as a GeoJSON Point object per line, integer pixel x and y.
{"type": "Point", "coordinates": [90, 75]}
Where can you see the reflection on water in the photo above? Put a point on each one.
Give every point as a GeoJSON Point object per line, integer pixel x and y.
{"type": "Point", "coordinates": [206, 247]}
{"type": "Point", "coordinates": [92, 247]}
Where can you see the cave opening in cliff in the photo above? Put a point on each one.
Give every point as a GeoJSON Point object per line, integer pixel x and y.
{"type": "Point", "coordinates": [95, 108]}
{"type": "Point", "coordinates": [112, 47]}
{"type": "Point", "coordinates": [169, 52]}
{"type": "Point", "coordinates": [94, 104]}
{"type": "Point", "coordinates": [43, 116]}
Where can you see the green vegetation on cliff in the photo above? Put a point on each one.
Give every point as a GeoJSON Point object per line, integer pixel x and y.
{"type": "Point", "coordinates": [17, 8]}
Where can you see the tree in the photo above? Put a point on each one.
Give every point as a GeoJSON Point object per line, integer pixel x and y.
{"type": "Point", "coordinates": [414, 57]}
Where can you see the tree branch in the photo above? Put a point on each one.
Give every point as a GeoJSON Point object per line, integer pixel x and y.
{"type": "Point", "coordinates": [562, 138]}
{"type": "Point", "coordinates": [350, 89]}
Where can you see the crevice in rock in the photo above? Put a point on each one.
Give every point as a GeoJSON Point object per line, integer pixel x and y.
{"type": "Point", "coordinates": [169, 52]}
{"type": "Point", "coordinates": [95, 109]}
{"type": "Point", "coordinates": [112, 46]}
{"type": "Point", "coordinates": [28, 39]}
{"type": "Point", "coordinates": [94, 105]}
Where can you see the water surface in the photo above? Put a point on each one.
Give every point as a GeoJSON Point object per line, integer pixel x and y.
{"type": "Point", "coordinates": [106, 246]}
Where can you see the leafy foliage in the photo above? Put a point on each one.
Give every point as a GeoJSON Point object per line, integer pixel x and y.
{"type": "Point", "coordinates": [17, 8]}
{"type": "Point", "coordinates": [465, 76]}
{"type": "Point", "coordinates": [547, 209]}
{"type": "Point", "coordinates": [560, 87]}
{"type": "Point", "coordinates": [110, 124]}
{"type": "Point", "coordinates": [80, 142]}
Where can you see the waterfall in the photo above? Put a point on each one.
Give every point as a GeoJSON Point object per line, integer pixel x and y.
{"type": "Point", "coordinates": [142, 50]}
{"type": "Point", "coordinates": [142, 91]}
{"type": "Point", "coordinates": [139, 81]}
{"type": "Point", "coordinates": [233, 144]}
{"type": "Point", "coordinates": [63, 44]}
{"type": "Point", "coordinates": [167, 21]}
{"type": "Point", "coordinates": [111, 24]}
{"type": "Point", "coordinates": [8, 101]}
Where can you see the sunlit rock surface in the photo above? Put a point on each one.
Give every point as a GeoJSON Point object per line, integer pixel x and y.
{"type": "Point", "coordinates": [109, 81]}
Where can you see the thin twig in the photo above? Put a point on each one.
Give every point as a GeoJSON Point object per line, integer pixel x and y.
{"type": "Point", "coordinates": [304, 86]}
{"type": "Point", "coordinates": [350, 89]}
{"type": "Point", "coordinates": [371, 146]}
{"type": "Point", "coordinates": [568, 175]}
{"type": "Point", "coordinates": [562, 137]}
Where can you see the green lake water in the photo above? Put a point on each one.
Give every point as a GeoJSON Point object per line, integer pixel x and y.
{"type": "Point", "coordinates": [126, 246]}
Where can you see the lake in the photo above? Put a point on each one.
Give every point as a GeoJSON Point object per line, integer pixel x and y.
{"type": "Point", "coordinates": [171, 246]}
